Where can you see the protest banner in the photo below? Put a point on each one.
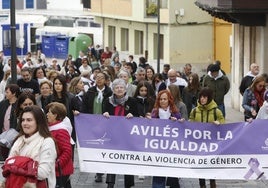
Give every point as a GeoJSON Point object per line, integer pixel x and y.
{"type": "Point", "coordinates": [156, 147]}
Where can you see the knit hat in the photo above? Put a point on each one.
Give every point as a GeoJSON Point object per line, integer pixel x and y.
{"type": "Point", "coordinates": [265, 95]}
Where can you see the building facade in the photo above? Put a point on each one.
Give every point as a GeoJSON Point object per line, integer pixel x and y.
{"type": "Point", "coordinates": [187, 34]}
{"type": "Point", "coordinates": [250, 36]}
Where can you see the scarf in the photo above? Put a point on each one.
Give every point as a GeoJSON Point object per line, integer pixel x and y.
{"type": "Point", "coordinates": [116, 101]}
{"type": "Point", "coordinates": [259, 97]}
{"type": "Point", "coordinates": [80, 95]}
{"type": "Point", "coordinates": [23, 146]}
{"type": "Point", "coordinates": [100, 94]}
{"type": "Point", "coordinates": [164, 114]}
{"type": "Point", "coordinates": [142, 98]}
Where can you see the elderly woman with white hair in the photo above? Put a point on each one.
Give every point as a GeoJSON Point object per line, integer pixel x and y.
{"type": "Point", "coordinates": [120, 104]}
{"type": "Point", "coordinates": [125, 75]}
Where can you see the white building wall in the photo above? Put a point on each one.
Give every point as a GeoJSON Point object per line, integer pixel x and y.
{"type": "Point", "coordinates": [64, 5]}
{"type": "Point", "coordinates": [250, 45]}
{"type": "Point", "coordinates": [263, 41]}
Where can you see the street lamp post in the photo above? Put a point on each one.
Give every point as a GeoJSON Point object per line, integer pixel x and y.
{"type": "Point", "coordinates": [13, 42]}
{"type": "Point", "coordinates": [158, 36]}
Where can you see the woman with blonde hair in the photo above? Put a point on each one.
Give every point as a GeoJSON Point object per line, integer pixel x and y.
{"type": "Point", "coordinates": [253, 98]}
{"type": "Point", "coordinates": [76, 87]}
{"type": "Point", "coordinates": [45, 91]}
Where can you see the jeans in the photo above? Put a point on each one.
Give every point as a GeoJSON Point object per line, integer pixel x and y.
{"type": "Point", "coordinates": [222, 109]}
{"type": "Point", "coordinates": [159, 182]}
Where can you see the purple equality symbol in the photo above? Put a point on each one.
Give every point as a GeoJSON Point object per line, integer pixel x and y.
{"type": "Point", "coordinates": [254, 164]}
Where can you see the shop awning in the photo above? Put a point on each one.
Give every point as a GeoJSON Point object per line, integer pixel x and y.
{"type": "Point", "coordinates": [243, 12]}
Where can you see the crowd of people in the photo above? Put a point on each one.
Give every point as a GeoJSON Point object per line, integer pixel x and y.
{"type": "Point", "coordinates": [40, 108]}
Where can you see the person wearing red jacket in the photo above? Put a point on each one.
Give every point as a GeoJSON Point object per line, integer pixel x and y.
{"type": "Point", "coordinates": [107, 54]}
{"type": "Point", "coordinates": [61, 131]}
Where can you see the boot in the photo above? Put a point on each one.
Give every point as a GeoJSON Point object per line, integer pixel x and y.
{"type": "Point", "coordinates": [212, 184]}
{"type": "Point", "coordinates": [98, 178]}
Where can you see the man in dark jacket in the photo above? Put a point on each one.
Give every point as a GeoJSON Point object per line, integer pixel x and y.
{"type": "Point", "coordinates": [248, 79]}
{"type": "Point", "coordinates": [219, 84]}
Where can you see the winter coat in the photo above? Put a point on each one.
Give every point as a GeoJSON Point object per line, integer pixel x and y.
{"type": "Point", "coordinates": [249, 102]}
{"type": "Point", "coordinates": [42, 150]}
{"type": "Point", "coordinates": [190, 99]}
{"type": "Point", "coordinates": [130, 107]}
{"type": "Point", "coordinates": [4, 104]}
{"type": "Point", "coordinates": [219, 85]}
{"type": "Point", "coordinates": [246, 82]}
{"type": "Point", "coordinates": [61, 136]}
{"type": "Point", "coordinates": [89, 97]}
{"type": "Point", "coordinates": [182, 109]}
{"type": "Point", "coordinates": [144, 106]}
{"type": "Point", "coordinates": [206, 113]}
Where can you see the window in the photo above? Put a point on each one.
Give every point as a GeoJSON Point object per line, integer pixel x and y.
{"type": "Point", "coordinates": [111, 36]}
{"type": "Point", "coordinates": [86, 4]}
{"type": "Point", "coordinates": [124, 39]}
{"type": "Point", "coordinates": [82, 23]}
{"type": "Point", "coordinates": [7, 38]}
{"type": "Point", "coordinates": [29, 4]}
{"type": "Point", "coordinates": [138, 42]}
{"type": "Point", "coordinates": [92, 24]}
{"type": "Point", "coordinates": [6, 4]}
{"type": "Point", "coordinates": [163, 3]}
{"type": "Point", "coordinates": [161, 46]}
{"type": "Point", "coordinates": [60, 22]}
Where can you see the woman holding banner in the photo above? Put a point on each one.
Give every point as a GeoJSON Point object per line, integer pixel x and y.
{"type": "Point", "coordinates": [206, 112]}
{"type": "Point", "coordinates": [120, 104]}
{"type": "Point", "coordinates": [165, 108]}
{"type": "Point", "coordinates": [93, 101]}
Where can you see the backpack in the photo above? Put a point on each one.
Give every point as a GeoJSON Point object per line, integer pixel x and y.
{"type": "Point", "coordinates": [214, 113]}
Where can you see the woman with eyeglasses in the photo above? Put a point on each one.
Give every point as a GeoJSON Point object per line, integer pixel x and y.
{"type": "Point", "coordinates": [253, 98]}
